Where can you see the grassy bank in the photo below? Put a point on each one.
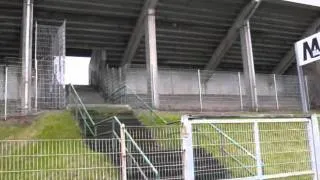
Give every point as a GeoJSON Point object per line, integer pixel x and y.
{"type": "Point", "coordinates": [50, 147]}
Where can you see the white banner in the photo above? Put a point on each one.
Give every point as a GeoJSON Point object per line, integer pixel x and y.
{"type": "Point", "coordinates": [308, 50]}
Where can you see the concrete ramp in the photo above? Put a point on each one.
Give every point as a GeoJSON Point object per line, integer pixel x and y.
{"type": "Point", "coordinates": [89, 95]}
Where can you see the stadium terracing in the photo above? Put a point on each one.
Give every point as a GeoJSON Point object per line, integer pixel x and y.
{"type": "Point", "coordinates": [209, 35]}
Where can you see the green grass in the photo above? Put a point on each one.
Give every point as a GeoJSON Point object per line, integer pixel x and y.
{"type": "Point", "coordinates": [147, 119]}
{"type": "Point", "coordinates": [51, 148]}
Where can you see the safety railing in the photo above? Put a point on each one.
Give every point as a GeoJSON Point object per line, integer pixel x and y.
{"type": "Point", "coordinates": [139, 168]}
{"type": "Point", "coordinates": [80, 109]}
{"type": "Point", "coordinates": [138, 164]}
{"type": "Point", "coordinates": [125, 95]}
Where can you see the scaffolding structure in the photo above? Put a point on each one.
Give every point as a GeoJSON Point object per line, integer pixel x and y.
{"type": "Point", "coordinates": [50, 66]}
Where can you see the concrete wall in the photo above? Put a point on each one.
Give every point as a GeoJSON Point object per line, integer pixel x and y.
{"type": "Point", "coordinates": [14, 83]}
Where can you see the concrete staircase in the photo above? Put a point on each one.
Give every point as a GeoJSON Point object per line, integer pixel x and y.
{"type": "Point", "coordinates": [167, 162]}
{"type": "Point", "coordinates": [89, 95]}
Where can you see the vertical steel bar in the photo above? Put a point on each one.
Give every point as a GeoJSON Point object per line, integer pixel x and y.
{"type": "Point", "coordinates": [314, 145]}
{"type": "Point", "coordinates": [6, 93]}
{"type": "Point", "coordinates": [36, 67]}
{"type": "Point", "coordinates": [200, 90]}
{"type": "Point", "coordinates": [259, 162]}
{"type": "Point", "coordinates": [240, 91]}
{"type": "Point", "coordinates": [187, 146]}
{"type": "Point", "coordinates": [302, 88]}
{"type": "Point", "coordinates": [123, 153]}
{"type": "Point", "coordinates": [307, 92]}
{"type": "Point", "coordinates": [276, 90]}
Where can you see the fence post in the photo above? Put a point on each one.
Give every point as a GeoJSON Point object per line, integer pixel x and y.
{"type": "Point", "coordinates": [85, 127]}
{"type": "Point", "coordinates": [200, 90]}
{"type": "Point", "coordinates": [307, 92]}
{"type": "Point", "coordinates": [259, 162]}
{"type": "Point", "coordinates": [188, 163]}
{"type": "Point", "coordinates": [276, 90]}
{"type": "Point", "coordinates": [123, 153]}
{"type": "Point", "coordinates": [240, 91]}
{"type": "Point", "coordinates": [6, 93]}
{"type": "Point", "coordinates": [36, 67]}
{"type": "Point", "coordinates": [314, 143]}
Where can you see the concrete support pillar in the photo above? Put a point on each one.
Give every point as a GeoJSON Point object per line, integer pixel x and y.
{"type": "Point", "coordinates": [97, 63]}
{"type": "Point", "coordinates": [92, 67]}
{"type": "Point", "coordinates": [102, 68]}
{"type": "Point", "coordinates": [26, 46]}
{"type": "Point", "coordinates": [151, 57]}
{"type": "Point", "coordinates": [248, 66]}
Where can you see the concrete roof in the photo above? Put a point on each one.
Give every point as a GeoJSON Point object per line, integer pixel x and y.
{"type": "Point", "coordinates": [188, 31]}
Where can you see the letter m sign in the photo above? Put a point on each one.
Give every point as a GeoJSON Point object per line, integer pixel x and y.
{"type": "Point", "coordinates": [308, 50]}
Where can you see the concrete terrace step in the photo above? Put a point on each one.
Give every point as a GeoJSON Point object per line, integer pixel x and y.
{"type": "Point", "coordinates": [167, 162]}
{"type": "Point", "coordinates": [89, 95]}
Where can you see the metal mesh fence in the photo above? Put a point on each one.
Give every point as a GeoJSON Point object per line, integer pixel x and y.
{"type": "Point", "coordinates": [245, 149]}
{"type": "Point", "coordinates": [50, 63]}
{"type": "Point", "coordinates": [288, 92]}
{"type": "Point", "coordinates": [47, 87]}
{"type": "Point", "coordinates": [163, 147]}
{"type": "Point", "coordinates": [11, 89]}
{"type": "Point", "coordinates": [14, 104]}
{"type": "Point", "coordinates": [221, 91]}
{"type": "Point", "coordinates": [58, 159]}
{"type": "Point", "coordinates": [197, 90]}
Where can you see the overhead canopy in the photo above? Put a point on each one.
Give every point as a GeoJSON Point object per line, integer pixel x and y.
{"type": "Point", "coordinates": [188, 31]}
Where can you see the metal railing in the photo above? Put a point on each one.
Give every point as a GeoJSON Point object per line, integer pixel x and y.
{"type": "Point", "coordinates": [86, 119]}
{"type": "Point", "coordinates": [125, 95]}
{"type": "Point", "coordinates": [117, 132]}
{"type": "Point", "coordinates": [238, 146]}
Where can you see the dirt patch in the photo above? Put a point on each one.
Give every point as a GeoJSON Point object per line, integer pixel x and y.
{"type": "Point", "coordinates": [21, 120]}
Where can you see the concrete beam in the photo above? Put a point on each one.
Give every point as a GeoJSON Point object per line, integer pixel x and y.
{"type": "Point", "coordinates": [309, 3]}
{"type": "Point", "coordinates": [248, 66]}
{"type": "Point", "coordinates": [289, 58]}
{"type": "Point", "coordinates": [151, 57]}
{"type": "Point", "coordinates": [232, 35]}
{"type": "Point", "coordinates": [26, 45]}
{"type": "Point", "coordinates": [137, 32]}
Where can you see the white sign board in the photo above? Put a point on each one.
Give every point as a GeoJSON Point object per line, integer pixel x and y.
{"type": "Point", "coordinates": [306, 2]}
{"type": "Point", "coordinates": [308, 50]}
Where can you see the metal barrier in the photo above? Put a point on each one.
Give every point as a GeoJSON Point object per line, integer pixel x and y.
{"type": "Point", "coordinates": [237, 146]}
{"type": "Point", "coordinates": [50, 52]}
{"type": "Point", "coordinates": [186, 89]}
{"type": "Point", "coordinates": [11, 90]}
{"type": "Point", "coordinates": [125, 95]}
{"type": "Point", "coordinates": [265, 148]}
{"type": "Point", "coordinates": [138, 166]}
{"type": "Point", "coordinates": [163, 146]}
{"type": "Point", "coordinates": [59, 159]}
